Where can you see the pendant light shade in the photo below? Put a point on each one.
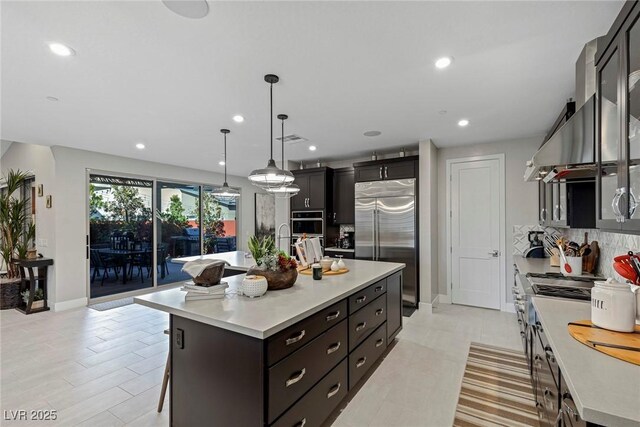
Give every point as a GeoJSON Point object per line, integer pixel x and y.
{"type": "Point", "coordinates": [271, 177]}
{"type": "Point", "coordinates": [286, 190]}
{"type": "Point", "coordinates": [225, 191]}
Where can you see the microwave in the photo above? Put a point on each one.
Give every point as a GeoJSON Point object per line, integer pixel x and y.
{"type": "Point", "coordinates": [310, 223]}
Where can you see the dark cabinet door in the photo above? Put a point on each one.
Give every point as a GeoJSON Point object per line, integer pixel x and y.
{"type": "Point", "coordinates": [400, 170]}
{"type": "Point", "coordinates": [316, 192]}
{"type": "Point", "coordinates": [369, 173]}
{"type": "Point", "coordinates": [344, 197]}
{"type": "Point", "coordinates": [394, 305]}
{"type": "Point", "coordinates": [299, 201]}
{"type": "Point", "coordinates": [544, 216]}
{"type": "Point", "coordinates": [558, 209]}
{"type": "Point", "coordinates": [631, 124]}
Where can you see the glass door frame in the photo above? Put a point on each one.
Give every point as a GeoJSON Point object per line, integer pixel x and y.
{"type": "Point", "coordinates": [154, 180]}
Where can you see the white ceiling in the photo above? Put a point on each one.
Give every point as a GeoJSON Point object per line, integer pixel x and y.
{"type": "Point", "coordinates": [143, 73]}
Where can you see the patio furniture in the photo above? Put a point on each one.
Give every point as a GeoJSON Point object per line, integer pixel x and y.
{"type": "Point", "coordinates": [99, 261]}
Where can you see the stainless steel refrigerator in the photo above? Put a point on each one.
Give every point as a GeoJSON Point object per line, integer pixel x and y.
{"type": "Point", "coordinates": [386, 228]}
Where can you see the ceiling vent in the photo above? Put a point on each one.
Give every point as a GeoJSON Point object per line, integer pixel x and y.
{"type": "Point", "coordinates": [291, 139]}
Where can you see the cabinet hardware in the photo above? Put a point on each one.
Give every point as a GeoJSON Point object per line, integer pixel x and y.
{"type": "Point", "coordinates": [333, 348]}
{"type": "Point", "coordinates": [300, 423]}
{"type": "Point", "coordinates": [334, 390]}
{"type": "Point", "coordinates": [333, 316]}
{"type": "Point", "coordinates": [296, 338]}
{"type": "Point", "coordinates": [361, 299]}
{"type": "Point", "coordinates": [378, 289]}
{"type": "Point", "coordinates": [379, 342]}
{"type": "Point", "coordinates": [361, 362]}
{"type": "Point", "coordinates": [379, 311]}
{"type": "Point", "coordinates": [297, 377]}
{"type": "Point", "coordinates": [361, 326]}
{"type": "Point", "coordinates": [386, 175]}
{"type": "Point", "coordinates": [380, 172]}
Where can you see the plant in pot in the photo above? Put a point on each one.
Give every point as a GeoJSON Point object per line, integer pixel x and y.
{"type": "Point", "coordinates": [17, 236]}
{"type": "Point", "coordinates": [38, 298]}
{"type": "Point", "coordinates": [280, 270]}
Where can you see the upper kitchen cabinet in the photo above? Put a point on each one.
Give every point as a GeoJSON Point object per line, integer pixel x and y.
{"type": "Point", "coordinates": [380, 170]}
{"type": "Point", "coordinates": [618, 123]}
{"type": "Point", "coordinates": [315, 189]}
{"type": "Point", "coordinates": [343, 196]}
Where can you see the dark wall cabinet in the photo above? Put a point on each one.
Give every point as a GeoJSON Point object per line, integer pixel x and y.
{"type": "Point", "coordinates": [398, 168]}
{"type": "Point", "coordinates": [315, 189]}
{"type": "Point", "coordinates": [567, 204]}
{"type": "Point", "coordinates": [618, 123]}
{"type": "Point", "coordinates": [343, 196]}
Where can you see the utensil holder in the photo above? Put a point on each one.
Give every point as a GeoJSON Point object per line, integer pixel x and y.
{"type": "Point", "coordinates": [575, 262]}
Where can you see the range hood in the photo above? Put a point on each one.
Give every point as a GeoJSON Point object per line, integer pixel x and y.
{"type": "Point", "coordinates": [570, 152]}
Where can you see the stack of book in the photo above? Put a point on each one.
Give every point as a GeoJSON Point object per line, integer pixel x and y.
{"type": "Point", "coordinates": [195, 292]}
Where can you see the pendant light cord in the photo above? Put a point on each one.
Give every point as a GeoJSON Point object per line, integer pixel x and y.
{"type": "Point", "coordinates": [271, 118]}
{"type": "Point", "coordinates": [225, 158]}
{"type": "Point", "coordinates": [282, 144]}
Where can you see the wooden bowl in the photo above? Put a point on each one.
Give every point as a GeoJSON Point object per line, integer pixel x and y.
{"type": "Point", "coordinates": [276, 279]}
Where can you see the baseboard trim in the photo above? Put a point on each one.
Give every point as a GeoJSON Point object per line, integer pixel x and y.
{"type": "Point", "coordinates": [509, 308]}
{"type": "Point", "coordinates": [68, 305]}
{"type": "Point", "coordinates": [426, 307]}
{"type": "Point", "coordinates": [444, 299]}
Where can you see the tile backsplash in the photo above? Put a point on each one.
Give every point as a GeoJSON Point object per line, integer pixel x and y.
{"type": "Point", "coordinates": [611, 244]}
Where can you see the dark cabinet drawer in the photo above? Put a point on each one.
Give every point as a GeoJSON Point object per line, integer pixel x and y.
{"type": "Point", "coordinates": [292, 377]}
{"type": "Point", "coordinates": [362, 323]}
{"type": "Point", "coordinates": [363, 357]}
{"type": "Point", "coordinates": [296, 336]}
{"type": "Point", "coordinates": [365, 296]}
{"type": "Point", "coordinates": [313, 409]}
{"type": "Point", "coordinates": [334, 254]}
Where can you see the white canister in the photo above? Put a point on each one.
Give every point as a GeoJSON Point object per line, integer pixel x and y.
{"type": "Point", "coordinates": [575, 264]}
{"type": "Point", "coordinates": [636, 290]}
{"type": "Point", "coordinates": [254, 286]}
{"type": "Point", "coordinates": [613, 306]}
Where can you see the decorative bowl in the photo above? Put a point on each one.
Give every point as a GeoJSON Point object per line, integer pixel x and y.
{"type": "Point", "coordinates": [276, 279]}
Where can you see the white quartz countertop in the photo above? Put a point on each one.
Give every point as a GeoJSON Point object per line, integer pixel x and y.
{"type": "Point", "coordinates": [238, 259]}
{"type": "Point", "coordinates": [605, 390]}
{"type": "Point", "coordinates": [538, 266]}
{"type": "Point", "coordinates": [276, 310]}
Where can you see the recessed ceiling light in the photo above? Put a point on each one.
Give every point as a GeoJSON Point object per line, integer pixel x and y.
{"type": "Point", "coordinates": [462, 123]}
{"type": "Point", "coordinates": [61, 50]}
{"type": "Point", "coordinates": [140, 146]}
{"type": "Point", "coordinates": [442, 112]}
{"type": "Point", "coordinates": [312, 148]}
{"type": "Point", "coordinates": [221, 163]}
{"type": "Point", "coordinates": [372, 133]}
{"type": "Point", "coordinates": [193, 9]}
{"type": "Point", "coordinates": [52, 99]}
{"type": "Point", "coordinates": [238, 118]}
{"type": "Point", "coordinates": [443, 62]}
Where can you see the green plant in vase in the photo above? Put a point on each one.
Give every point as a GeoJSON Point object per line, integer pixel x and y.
{"type": "Point", "coordinates": [277, 267]}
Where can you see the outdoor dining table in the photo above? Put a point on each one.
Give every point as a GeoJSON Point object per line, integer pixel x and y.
{"type": "Point", "coordinates": [125, 255]}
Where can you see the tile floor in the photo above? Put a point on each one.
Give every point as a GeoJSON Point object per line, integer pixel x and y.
{"type": "Point", "coordinates": [105, 368]}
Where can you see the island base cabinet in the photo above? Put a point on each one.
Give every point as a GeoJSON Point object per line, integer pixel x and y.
{"type": "Point", "coordinates": [210, 368]}
{"type": "Point", "coordinates": [394, 305]}
{"type": "Point", "coordinates": [365, 356]}
{"type": "Point", "coordinates": [314, 408]}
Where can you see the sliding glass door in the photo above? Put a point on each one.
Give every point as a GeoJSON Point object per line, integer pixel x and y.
{"type": "Point", "coordinates": [120, 241]}
{"type": "Point", "coordinates": [177, 229]}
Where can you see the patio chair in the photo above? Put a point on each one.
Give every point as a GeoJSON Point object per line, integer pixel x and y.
{"type": "Point", "coordinates": [98, 261]}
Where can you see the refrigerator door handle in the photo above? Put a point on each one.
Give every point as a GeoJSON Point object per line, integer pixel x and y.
{"type": "Point", "coordinates": [373, 233]}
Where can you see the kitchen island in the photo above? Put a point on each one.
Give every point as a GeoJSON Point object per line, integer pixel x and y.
{"type": "Point", "coordinates": [286, 358]}
{"type": "Point", "coordinates": [605, 390]}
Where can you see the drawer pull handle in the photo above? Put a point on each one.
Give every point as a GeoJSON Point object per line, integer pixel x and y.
{"type": "Point", "coordinates": [334, 390]}
{"type": "Point", "coordinates": [361, 326]}
{"type": "Point", "coordinates": [378, 289]}
{"type": "Point", "coordinates": [361, 299]}
{"type": "Point", "coordinates": [333, 316]}
{"type": "Point", "coordinates": [361, 362]}
{"type": "Point", "coordinates": [291, 381]}
{"type": "Point", "coordinates": [300, 423]}
{"type": "Point", "coordinates": [295, 339]}
{"type": "Point", "coordinates": [379, 342]}
{"type": "Point", "coordinates": [379, 311]}
{"type": "Point", "coordinates": [333, 348]}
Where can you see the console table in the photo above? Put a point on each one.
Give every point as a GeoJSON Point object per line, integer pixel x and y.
{"type": "Point", "coordinates": [32, 282]}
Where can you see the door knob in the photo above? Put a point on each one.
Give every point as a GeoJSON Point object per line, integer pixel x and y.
{"type": "Point", "coordinates": [495, 254]}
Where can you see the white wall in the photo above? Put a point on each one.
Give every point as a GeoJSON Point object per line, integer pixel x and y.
{"type": "Point", "coordinates": [428, 222]}
{"type": "Point", "coordinates": [39, 160]}
{"type": "Point", "coordinates": [64, 174]}
{"type": "Point", "coordinates": [521, 197]}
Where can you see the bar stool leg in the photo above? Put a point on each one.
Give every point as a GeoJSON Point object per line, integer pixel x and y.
{"type": "Point", "coordinates": [165, 382]}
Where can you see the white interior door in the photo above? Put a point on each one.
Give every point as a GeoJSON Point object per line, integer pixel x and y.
{"type": "Point", "coordinates": [475, 233]}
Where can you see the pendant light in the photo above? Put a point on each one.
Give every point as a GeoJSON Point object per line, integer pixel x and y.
{"type": "Point", "coordinates": [225, 191]}
{"type": "Point", "coordinates": [271, 177]}
{"type": "Point", "coordinates": [287, 190]}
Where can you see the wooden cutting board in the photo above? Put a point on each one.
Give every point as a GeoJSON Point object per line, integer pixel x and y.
{"type": "Point", "coordinates": [590, 262]}
{"type": "Point", "coordinates": [309, 272]}
{"type": "Point", "coordinates": [585, 332]}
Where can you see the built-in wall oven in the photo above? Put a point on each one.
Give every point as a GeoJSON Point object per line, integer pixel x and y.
{"type": "Point", "coordinates": [310, 223]}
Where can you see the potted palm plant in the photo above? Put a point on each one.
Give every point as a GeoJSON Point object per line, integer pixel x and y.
{"type": "Point", "coordinates": [17, 236]}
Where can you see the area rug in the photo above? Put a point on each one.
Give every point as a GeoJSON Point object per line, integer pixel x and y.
{"type": "Point", "coordinates": [496, 389]}
{"type": "Point", "coordinates": [112, 304]}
